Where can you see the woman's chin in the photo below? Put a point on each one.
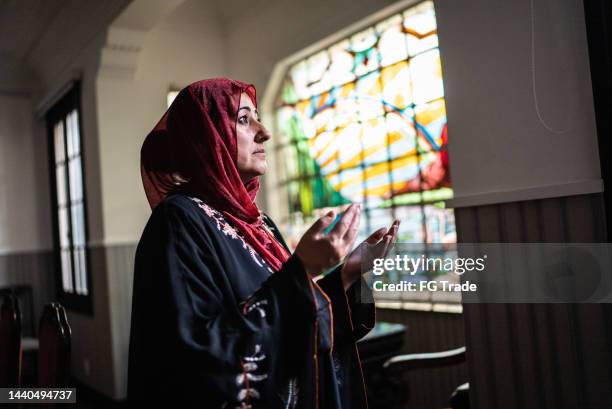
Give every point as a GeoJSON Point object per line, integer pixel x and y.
{"type": "Point", "coordinates": [262, 167]}
{"type": "Point", "coordinates": [259, 171]}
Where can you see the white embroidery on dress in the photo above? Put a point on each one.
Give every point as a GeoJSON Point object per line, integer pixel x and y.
{"type": "Point", "coordinates": [227, 229]}
{"type": "Point", "coordinates": [249, 363]}
{"type": "Point", "coordinates": [292, 394]}
{"type": "Point", "coordinates": [245, 380]}
{"type": "Point", "coordinates": [250, 306]}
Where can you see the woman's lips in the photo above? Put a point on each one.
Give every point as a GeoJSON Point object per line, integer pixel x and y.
{"type": "Point", "coordinates": [259, 153]}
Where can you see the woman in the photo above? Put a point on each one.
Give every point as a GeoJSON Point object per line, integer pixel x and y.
{"type": "Point", "coordinates": [223, 315]}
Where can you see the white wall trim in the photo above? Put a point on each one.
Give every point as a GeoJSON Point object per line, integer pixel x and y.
{"type": "Point", "coordinates": [17, 251]}
{"type": "Point", "coordinates": [121, 52]}
{"type": "Point", "coordinates": [581, 187]}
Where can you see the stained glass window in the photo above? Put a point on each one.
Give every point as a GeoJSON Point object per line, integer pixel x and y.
{"type": "Point", "coordinates": [364, 120]}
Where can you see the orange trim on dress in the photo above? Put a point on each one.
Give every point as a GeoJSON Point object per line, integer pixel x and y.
{"type": "Point", "coordinates": [331, 316]}
{"type": "Point", "coordinates": [315, 343]}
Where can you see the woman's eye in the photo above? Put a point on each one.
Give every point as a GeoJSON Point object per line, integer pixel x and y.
{"type": "Point", "coordinates": [243, 119]}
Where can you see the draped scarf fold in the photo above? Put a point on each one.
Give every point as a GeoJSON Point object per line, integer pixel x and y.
{"type": "Point", "coordinates": [193, 149]}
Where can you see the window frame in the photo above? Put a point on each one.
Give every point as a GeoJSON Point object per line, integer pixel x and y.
{"type": "Point", "coordinates": [70, 101]}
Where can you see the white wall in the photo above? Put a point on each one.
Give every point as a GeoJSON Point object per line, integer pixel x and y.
{"type": "Point", "coordinates": [24, 202]}
{"type": "Point", "coordinates": [24, 180]}
{"type": "Point", "coordinates": [497, 142]}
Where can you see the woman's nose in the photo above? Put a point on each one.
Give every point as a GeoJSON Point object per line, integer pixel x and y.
{"type": "Point", "coordinates": [263, 134]}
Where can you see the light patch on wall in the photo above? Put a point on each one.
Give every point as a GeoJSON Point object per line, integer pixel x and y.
{"type": "Point", "coordinates": [170, 96]}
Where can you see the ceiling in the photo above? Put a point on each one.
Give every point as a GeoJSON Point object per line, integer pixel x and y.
{"type": "Point", "coordinates": [234, 9]}
{"type": "Point", "coordinates": [39, 37]}
{"type": "Point", "coordinates": [23, 24]}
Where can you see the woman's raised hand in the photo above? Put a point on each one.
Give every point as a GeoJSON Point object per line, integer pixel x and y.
{"type": "Point", "coordinates": [361, 260]}
{"type": "Point", "coordinates": [319, 251]}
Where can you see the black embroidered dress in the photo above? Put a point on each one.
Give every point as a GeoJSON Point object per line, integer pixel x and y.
{"type": "Point", "coordinates": [214, 327]}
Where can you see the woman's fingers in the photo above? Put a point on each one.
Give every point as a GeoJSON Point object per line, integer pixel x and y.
{"type": "Point", "coordinates": [326, 250]}
{"type": "Point", "coordinates": [345, 221]}
{"type": "Point", "coordinates": [397, 223]}
{"type": "Point", "coordinates": [353, 230]}
{"type": "Point", "coordinates": [322, 223]}
{"type": "Point", "coordinates": [390, 237]}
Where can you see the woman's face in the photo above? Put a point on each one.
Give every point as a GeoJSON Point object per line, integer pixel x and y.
{"type": "Point", "coordinates": [251, 136]}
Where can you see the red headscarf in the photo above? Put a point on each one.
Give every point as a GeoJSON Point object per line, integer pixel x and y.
{"type": "Point", "coordinates": [193, 148]}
